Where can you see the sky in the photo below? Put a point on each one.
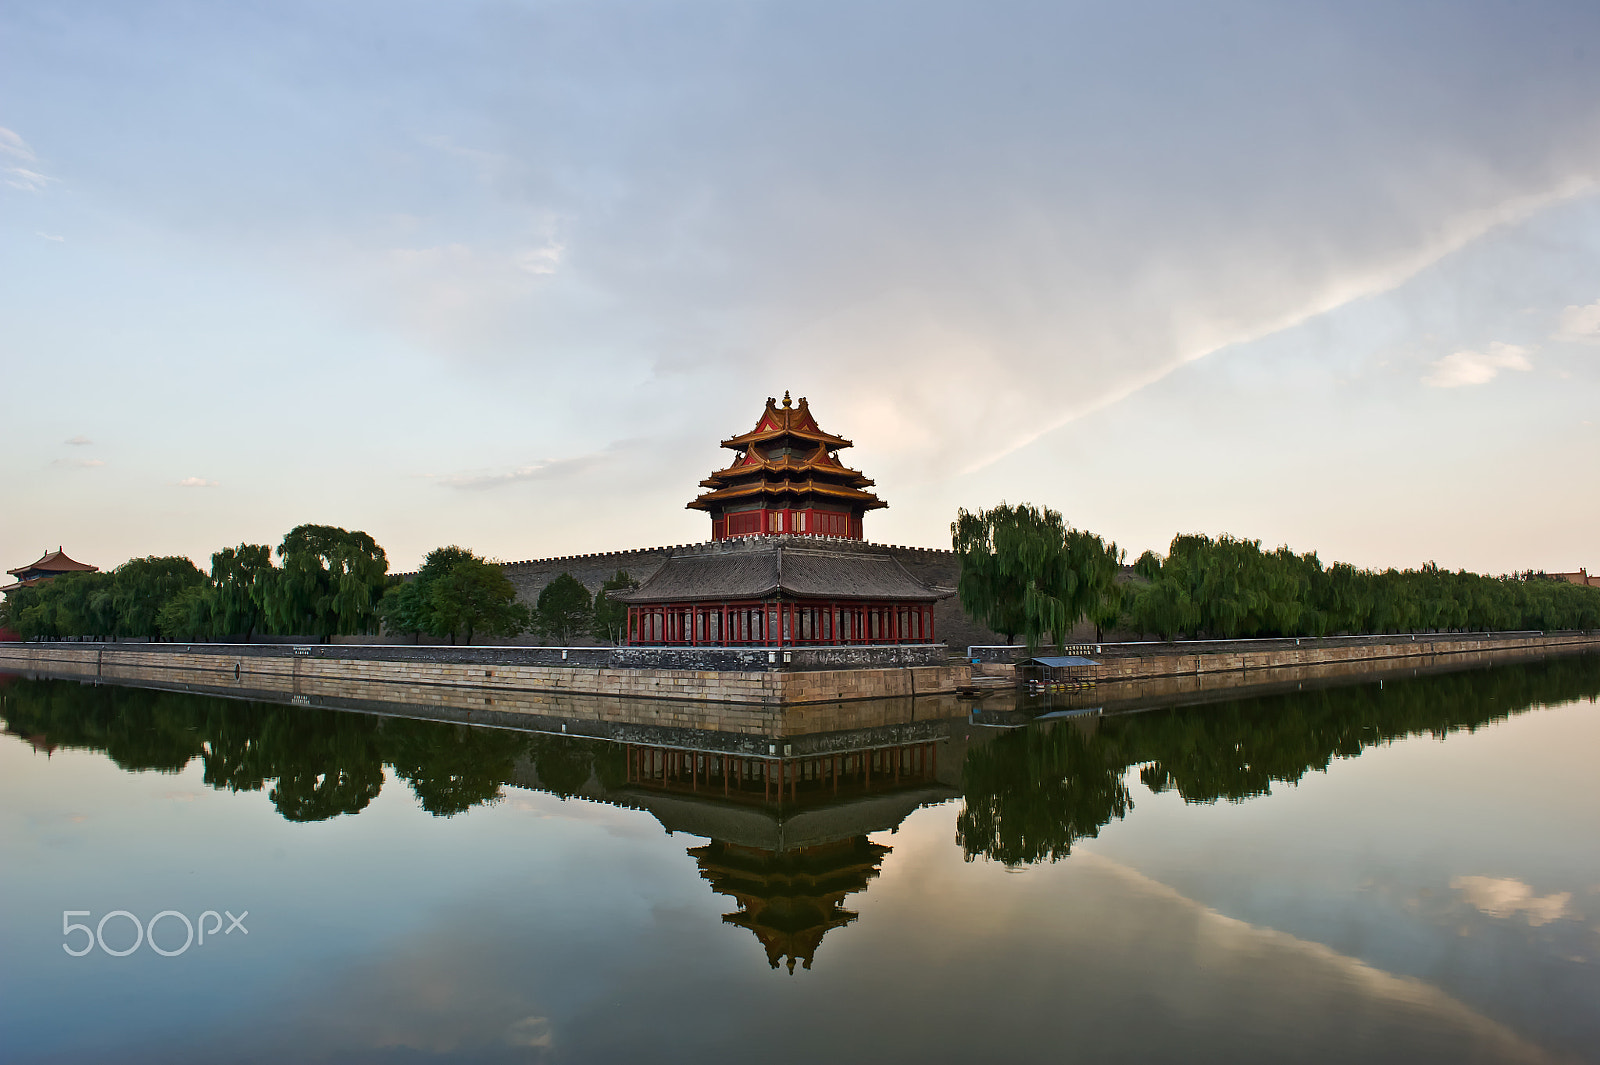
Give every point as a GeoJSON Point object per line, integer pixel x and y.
{"type": "Point", "coordinates": [503, 274]}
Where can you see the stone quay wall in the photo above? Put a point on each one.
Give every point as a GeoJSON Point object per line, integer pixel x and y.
{"type": "Point", "coordinates": [1131, 662]}
{"type": "Point", "coordinates": [499, 677]}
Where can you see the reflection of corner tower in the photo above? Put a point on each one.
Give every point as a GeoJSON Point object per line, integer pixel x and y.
{"type": "Point", "coordinates": [790, 899]}
{"type": "Point", "coordinates": [787, 479]}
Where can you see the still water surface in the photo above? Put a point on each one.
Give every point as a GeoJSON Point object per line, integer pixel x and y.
{"type": "Point", "coordinates": [1406, 872]}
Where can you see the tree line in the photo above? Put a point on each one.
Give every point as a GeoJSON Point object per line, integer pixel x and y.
{"type": "Point", "coordinates": [321, 581]}
{"type": "Point", "coordinates": [1026, 572]}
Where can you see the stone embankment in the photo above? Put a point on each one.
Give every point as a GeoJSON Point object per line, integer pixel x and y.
{"type": "Point", "coordinates": [507, 678]}
{"type": "Point", "coordinates": [1151, 661]}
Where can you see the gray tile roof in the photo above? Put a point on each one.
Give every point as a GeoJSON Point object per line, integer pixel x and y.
{"type": "Point", "coordinates": [788, 566]}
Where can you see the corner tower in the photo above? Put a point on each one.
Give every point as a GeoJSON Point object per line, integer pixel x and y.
{"type": "Point", "coordinates": [787, 479]}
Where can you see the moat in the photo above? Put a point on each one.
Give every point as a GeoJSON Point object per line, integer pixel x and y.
{"type": "Point", "coordinates": [1402, 870]}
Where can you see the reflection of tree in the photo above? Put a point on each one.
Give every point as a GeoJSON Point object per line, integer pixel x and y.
{"type": "Point", "coordinates": [318, 763]}
{"type": "Point", "coordinates": [1031, 793]}
{"type": "Point", "coordinates": [137, 728]}
{"type": "Point", "coordinates": [1238, 749]}
{"type": "Point", "coordinates": [452, 768]}
{"type": "Point", "coordinates": [326, 764]}
{"type": "Point", "coordinates": [563, 763]}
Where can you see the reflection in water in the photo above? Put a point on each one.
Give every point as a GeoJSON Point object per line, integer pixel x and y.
{"type": "Point", "coordinates": [320, 764]}
{"type": "Point", "coordinates": [791, 899]}
{"type": "Point", "coordinates": [789, 835]}
{"type": "Point", "coordinates": [1032, 792]}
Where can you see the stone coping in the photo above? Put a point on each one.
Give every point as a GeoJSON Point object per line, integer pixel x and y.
{"type": "Point", "coordinates": [702, 659]}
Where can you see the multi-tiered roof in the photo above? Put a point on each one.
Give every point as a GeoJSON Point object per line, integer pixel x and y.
{"type": "Point", "coordinates": [787, 479]}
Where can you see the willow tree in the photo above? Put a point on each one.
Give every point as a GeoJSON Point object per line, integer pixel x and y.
{"type": "Point", "coordinates": [242, 577]}
{"type": "Point", "coordinates": [330, 582]}
{"type": "Point", "coordinates": [1025, 571]}
{"type": "Point", "coordinates": [141, 587]}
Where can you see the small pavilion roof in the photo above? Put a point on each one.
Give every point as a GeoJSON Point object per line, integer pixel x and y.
{"type": "Point", "coordinates": [777, 566]}
{"type": "Point", "coordinates": [783, 421]}
{"type": "Point", "coordinates": [55, 562]}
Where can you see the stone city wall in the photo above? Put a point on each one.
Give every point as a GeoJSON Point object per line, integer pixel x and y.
{"type": "Point", "coordinates": [932, 566]}
{"type": "Point", "coordinates": [496, 677]}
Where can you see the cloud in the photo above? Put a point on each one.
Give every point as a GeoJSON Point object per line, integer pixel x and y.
{"type": "Point", "coordinates": [541, 260]}
{"type": "Point", "coordinates": [18, 177]}
{"type": "Point", "coordinates": [26, 180]}
{"type": "Point", "coordinates": [80, 441]}
{"type": "Point", "coordinates": [53, 236]}
{"type": "Point", "coordinates": [1507, 897]}
{"type": "Point", "coordinates": [13, 145]}
{"type": "Point", "coordinates": [196, 482]}
{"type": "Point", "coordinates": [1581, 324]}
{"type": "Point", "coordinates": [547, 470]}
{"type": "Point", "coordinates": [79, 463]}
{"type": "Point", "coordinates": [1477, 367]}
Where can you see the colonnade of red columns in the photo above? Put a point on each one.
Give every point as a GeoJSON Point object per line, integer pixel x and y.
{"type": "Point", "coordinates": [780, 623]}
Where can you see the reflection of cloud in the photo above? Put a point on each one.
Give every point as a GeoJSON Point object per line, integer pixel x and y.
{"type": "Point", "coordinates": [79, 463]}
{"type": "Point", "coordinates": [1581, 324]}
{"type": "Point", "coordinates": [529, 1032]}
{"type": "Point", "coordinates": [196, 482]}
{"type": "Point", "coordinates": [1477, 367]}
{"type": "Point", "coordinates": [1506, 897]}
{"type": "Point", "coordinates": [79, 441]}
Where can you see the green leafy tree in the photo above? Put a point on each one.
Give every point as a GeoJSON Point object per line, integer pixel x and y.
{"type": "Point", "coordinates": [564, 611]}
{"type": "Point", "coordinates": [1148, 566]}
{"type": "Point", "coordinates": [1026, 571]}
{"type": "Point", "coordinates": [407, 605]}
{"type": "Point", "coordinates": [30, 613]}
{"type": "Point", "coordinates": [611, 616]}
{"type": "Point", "coordinates": [330, 584]}
{"type": "Point", "coordinates": [192, 614]}
{"type": "Point", "coordinates": [455, 594]}
{"type": "Point", "coordinates": [242, 577]}
{"type": "Point", "coordinates": [141, 587]}
{"type": "Point", "coordinates": [79, 604]}
{"type": "Point", "coordinates": [475, 596]}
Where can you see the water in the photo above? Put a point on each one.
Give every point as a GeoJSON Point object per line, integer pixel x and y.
{"type": "Point", "coordinates": [1408, 873]}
